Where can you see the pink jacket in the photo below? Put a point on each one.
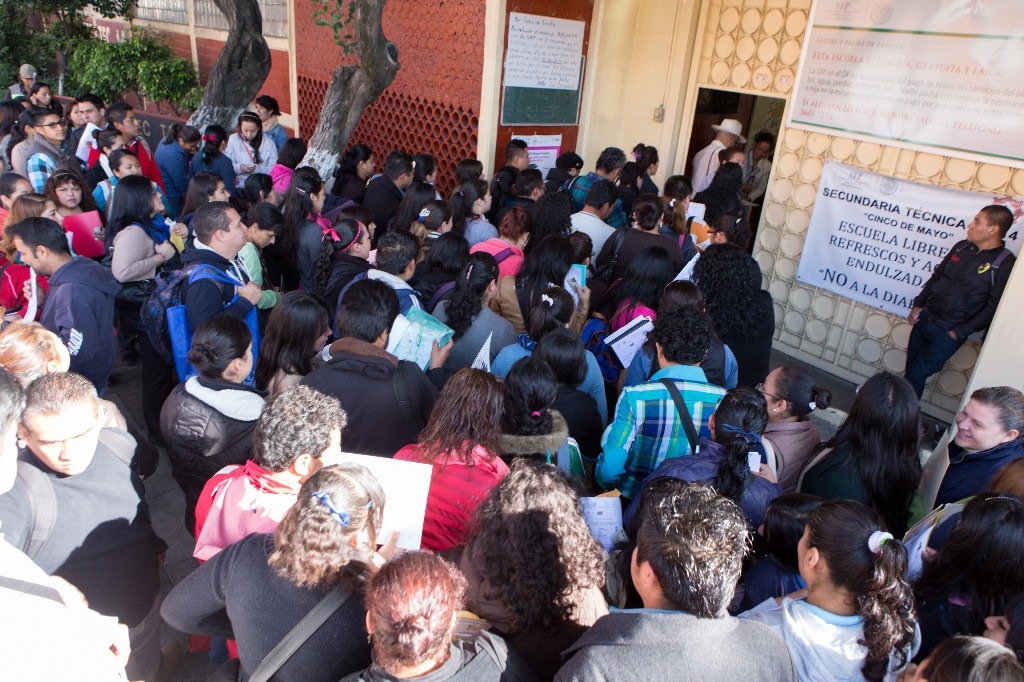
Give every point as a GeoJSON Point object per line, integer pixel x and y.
{"type": "Point", "coordinates": [509, 267]}
{"type": "Point", "coordinates": [627, 313]}
{"type": "Point", "coordinates": [282, 177]}
{"type": "Point", "coordinates": [237, 501]}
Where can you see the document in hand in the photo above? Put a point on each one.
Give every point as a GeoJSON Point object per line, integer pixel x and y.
{"type": "Point", "coordinates": [604, 518]}
{"type": "Point", "coordinates": [413, 335]}
{"type": "Point", "coordinates": [406, 485]}
{"type": "Point", "coordinates": [87, 142]}
{"type": "Point", "coordinates": [916, 539]}
{"type": "Point", "coordinates": [627, 341]}
{"type": "Point", "coordinates": [82, 228]}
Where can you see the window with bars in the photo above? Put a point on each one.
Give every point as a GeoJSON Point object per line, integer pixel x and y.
{"type": "Point", "coordinates": [275, 16]}
{"type": "Point", "coordinates": [170, 11]}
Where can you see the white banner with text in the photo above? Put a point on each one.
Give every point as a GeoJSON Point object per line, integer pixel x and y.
{"type": "Point", "coordinates": [877, 239]}
{"type": "Point", "coordinates": [943, 74]}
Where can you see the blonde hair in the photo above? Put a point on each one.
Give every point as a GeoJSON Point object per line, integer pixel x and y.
{"type": "Point", "coordinates": [26, 350]}
{"type": "Point", "coordinates": [29, 205]}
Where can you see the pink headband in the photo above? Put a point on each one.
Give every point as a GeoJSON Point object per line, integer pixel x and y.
{"type": "Point", "coordinates": [359, 231]}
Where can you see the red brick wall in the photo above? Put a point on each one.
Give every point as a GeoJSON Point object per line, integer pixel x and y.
{"type": "Point", "coordinates": [578, 10]}
{"type": "Point", "coordinates": [434, 102]}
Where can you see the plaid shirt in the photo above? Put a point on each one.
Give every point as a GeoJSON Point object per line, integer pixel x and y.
{"type": "Point", "coordinates": [579, 187]}
{"type": "Point", "coordinates": [40, 166]}
{"type": "Point", "coordinates": [647, 429]}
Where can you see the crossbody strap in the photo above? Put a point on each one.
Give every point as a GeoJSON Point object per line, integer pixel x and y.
{"type": "Point", "coordinates": [438, 295]}
{"type": "Point", "coordinates": [684, 412]}
{"type": "Point", "coordinates": [298, 635]}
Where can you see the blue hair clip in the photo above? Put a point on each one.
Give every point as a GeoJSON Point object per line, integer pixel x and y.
{"type": "Point", "coordinates": [341, 517]}
{"type": "Point", "coordinates": [752, 438]}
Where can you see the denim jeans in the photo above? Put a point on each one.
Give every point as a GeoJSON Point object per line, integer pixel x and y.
{"type": "Point", "coordinates": [927, 351]}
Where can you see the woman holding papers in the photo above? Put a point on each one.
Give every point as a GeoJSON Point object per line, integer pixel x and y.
{"type": "Point", "coordinates": [259, 588]}
{"type": "Point", "coordinates": [534, 570]}
{"type": "Point", "coordinates": [462, 441]}
{"type": "Point", "coordinates": [477, 327]}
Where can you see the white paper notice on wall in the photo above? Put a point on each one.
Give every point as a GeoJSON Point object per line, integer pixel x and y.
{"type": "Point", "coordinates": [406, 485]}
{"type": "Point", "coordinates": [543, 52]}
{"type": "Point", "coordinates": [544, 150]}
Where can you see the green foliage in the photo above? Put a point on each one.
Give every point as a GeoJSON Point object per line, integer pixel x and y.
{"type": "Point", "coordinates": [18, 44]}
{"type": "Point", "coordinates": [339, 16]}
{"type": "Point", "coordinates": [140, 64]}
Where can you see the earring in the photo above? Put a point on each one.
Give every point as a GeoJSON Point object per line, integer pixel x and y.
{"type": "Point", "coordinates": [22, 444]}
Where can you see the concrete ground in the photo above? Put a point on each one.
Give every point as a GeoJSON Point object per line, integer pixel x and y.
{"type": "Point", "coordinates": [167, 502]}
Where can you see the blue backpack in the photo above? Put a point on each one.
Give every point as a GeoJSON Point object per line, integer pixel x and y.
{"type": "Point", "coordinates": [166, 320]}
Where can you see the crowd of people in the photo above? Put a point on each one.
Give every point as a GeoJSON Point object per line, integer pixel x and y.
{"type": "Point", "coordinates": [258, 300]}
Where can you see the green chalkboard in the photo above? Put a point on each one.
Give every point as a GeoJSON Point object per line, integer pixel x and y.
{"type": "Point", "coordinates": [540, 106]}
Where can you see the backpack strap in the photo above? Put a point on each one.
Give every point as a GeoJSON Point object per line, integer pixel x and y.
{"type": "Point", "coordinates": [503, 255]}
{"type": "Point", "coordinates": [402, 396]}
{"type": "Point", "coordinates": [607, 271]}
{"type": "Point", "coordinates": [43, 506]}
{"type": "Point", "coordinates": [684, 412]}
{"type": "Point", "coordinates": [438, 295]}
{"type": "Point", "coordinates": [303, 630]}
{"type": "Point", "coordinates": [1003, 255]}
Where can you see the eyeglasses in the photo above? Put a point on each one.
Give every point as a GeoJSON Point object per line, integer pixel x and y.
{"type": "Point", "coordinates": [760, 387]}
{"type": "Point", "coordinates": [52, 124]}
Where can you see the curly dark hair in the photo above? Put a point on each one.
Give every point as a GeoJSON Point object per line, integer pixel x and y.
{"type": "Point", "coordinates": [684, 335]}
{"type": "Point", "coordinates": [530, 542]}
{"type": "Point", "coordinates": [298, 420]}
{"type": "Point", "coordinates": [312, 547]}
{"type": "Point", "coordinates": [467, 414]}
{"type": "Point", "coordinates": [467, 297]}
{"type": "Point", "coordinates": [732, 298]}
{"type": "Point", "coordinates": [66, 177]}
{"type": "Point", "coordinates": [552, 214]}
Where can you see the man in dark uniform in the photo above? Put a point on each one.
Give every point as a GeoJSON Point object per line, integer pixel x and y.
{"type": "Point", "coordinates": [962, 295]}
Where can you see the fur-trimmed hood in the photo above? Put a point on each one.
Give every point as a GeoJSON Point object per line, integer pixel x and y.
{"type": "Point", "coordinates": [513, 445]}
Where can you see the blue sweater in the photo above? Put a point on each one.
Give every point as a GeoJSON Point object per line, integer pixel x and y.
{"type": "Point", "coordinates": [172, 161]}
{"type": "Point", "coordinates": [593, 384]}
{"type": "Point", "coordinates": [220, 165]}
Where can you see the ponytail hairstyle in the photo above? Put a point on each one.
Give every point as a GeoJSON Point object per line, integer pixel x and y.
{"type": "Point", "coordinates": [200, 188]}
{"type": "Point", "coordinates": [735, 228]}
{"type": "Point", "coordinates": [800, 391]}
{"type": "Point", "coordinates": [216, 343]}
{"type": "Point", "coordinates": [182, 131]}
{"type": "Point", "coordinates": [316, 544]}
{"type": "Point", "coordinates": [257, 141]}
{"type": "Point", "coordinates": [256, 189]}
{"type": "Point", "coordinates": [462, 201]}
{"type": "Point", "coordinates": [435, 214]}
{"type": "Point", "coordinates": [297, 207]}
{"type": "Point", "coordinates": [740, 419]}
{"type": "Point", "coordinates": [871, 565]}
{"type": "Point", "coordinates": [19, 134]}
{"type": "Point", "coordinates": [549, 261]}
{"type": "Point", "coordinates": [105, 138]}
{"type": "Point", "coordinates": [674, 201]}
{"type": "Point", "coordinates": [411, 606]}
{"type": "Point", "coordinates": [348, 165]}
{"type": "Point", "coordinates": [554, 309]}
{"type": "Point", "coordinates": [408, 211]}
{"type": "Point", "coordinates": [648, 212]}
{"type": "Point", "coordinates": [629, 176]}
{"type": "Point", "coordinates": [213, 138]}
{"type": "Point", "coordinates": [980, 563]}
{"type": "Point", "coordinates": [423, 166]}
{"type": "Point", "coordinates": [346, 234]}
{"type": "Point", "coordinates": [645, 156]}
{"type": "Point", "coordinates": [530, 388]}
{"type": "Point", "coordinates": [467, 297]}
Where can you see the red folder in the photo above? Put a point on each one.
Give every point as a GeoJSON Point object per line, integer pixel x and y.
{"type": "Point", "coordinates": [81, 227]}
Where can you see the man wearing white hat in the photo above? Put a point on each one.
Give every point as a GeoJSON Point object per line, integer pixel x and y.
{"type": "Point", "coordinates": [706, 162]}
{"type": "Point", "coordinates": [26, 77]}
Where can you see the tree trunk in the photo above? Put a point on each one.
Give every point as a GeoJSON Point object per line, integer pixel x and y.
{"type": "Point", "coordinates": [353, 88]}
{"type": "Point", "coordinates": [240, 70]}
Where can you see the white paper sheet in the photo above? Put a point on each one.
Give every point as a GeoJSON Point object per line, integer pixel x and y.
{"type": "Point", "coordinates": [483, 358]}
{"type": "Point", "coordinates": [627, 341]}
{"type": "Point", "coordinates": [406, 485]}
{"type": "Point", "coordinates": [604, 518]}
{"type": "Point", "coordinates": [33, 298]}
{"type": "Point", "coordinates": [87, 142]}
{"type": "Point", "coordinates": [696, 211]}
{"type": "Point", "coordinates": [916, 539]}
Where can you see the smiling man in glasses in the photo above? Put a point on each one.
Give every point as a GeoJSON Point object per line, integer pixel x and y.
{"type": "Point", "coordinates": [49, 150]}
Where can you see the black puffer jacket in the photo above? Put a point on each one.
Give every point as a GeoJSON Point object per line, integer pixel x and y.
{"type": "Point", "coordinates": [207, 425]}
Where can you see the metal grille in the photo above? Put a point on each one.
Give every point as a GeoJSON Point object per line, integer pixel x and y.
{"type": "Point", "coordinates": [170, 11]}
{"type": "Point", "coordinates": [275, 17]}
